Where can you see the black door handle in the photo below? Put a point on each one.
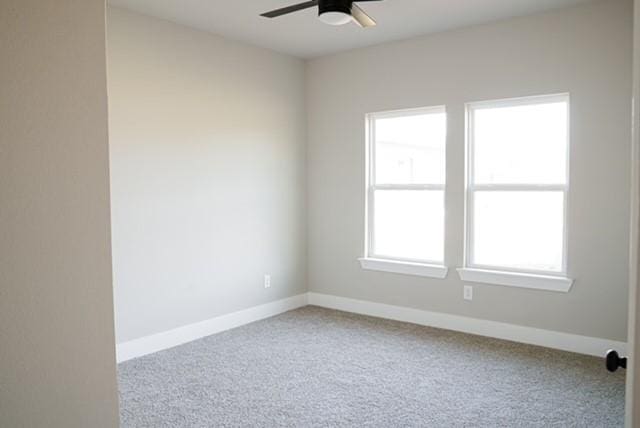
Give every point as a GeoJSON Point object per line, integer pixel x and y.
{"type": "Point", "coordinates": [614, 361]}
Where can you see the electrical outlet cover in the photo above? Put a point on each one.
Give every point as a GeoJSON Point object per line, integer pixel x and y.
{"type": "Point", "coordinates": [468, 292]}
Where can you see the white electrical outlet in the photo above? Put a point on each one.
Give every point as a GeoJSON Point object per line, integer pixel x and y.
{"type": "Point", "coordinates": [468, 292]}
{"type": "Point", "coordinates": [267, 281]}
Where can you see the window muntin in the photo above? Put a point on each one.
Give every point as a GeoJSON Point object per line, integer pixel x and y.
{"type": "Point", "coordinates": [406, 176]}
{"type": "Point", "coordinates": [517, 184]}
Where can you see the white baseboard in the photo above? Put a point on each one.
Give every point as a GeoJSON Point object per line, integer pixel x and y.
{"type": "Point", "coordinates": [178, 336]}
{"type": "Point", "coordinates": [534, 336]}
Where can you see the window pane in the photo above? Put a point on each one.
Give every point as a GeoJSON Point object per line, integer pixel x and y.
{"type": "Point", "coordinates": [411, 149]}
{"type": "Point", "coordinates": [522, 230]}
{"type": "Point", "coordinates": [409, 224]}
{"type": "Point", "coordinates": [520, 144]}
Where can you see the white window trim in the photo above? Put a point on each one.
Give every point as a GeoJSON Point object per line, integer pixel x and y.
{"type": "Point", "coordinates": [372, 261]}
{"type": "Point", "coordinates": [404, 267]}
{"type": "Point", "coordinates": [516, 279]}
{"type": "Point", "coordinates": [500, 275]}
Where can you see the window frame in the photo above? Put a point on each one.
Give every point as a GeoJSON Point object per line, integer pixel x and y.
{"type": "Point", "coordinates": [371, 260]}
{"type": "Point", "coordinates": [471, 188]}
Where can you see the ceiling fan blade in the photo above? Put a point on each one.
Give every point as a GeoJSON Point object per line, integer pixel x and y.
{"type": "Point", "coordinates": [289, 9]}
{"type": "Point", "coordinates": [361, 18]}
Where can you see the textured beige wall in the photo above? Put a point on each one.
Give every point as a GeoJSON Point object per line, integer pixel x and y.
{"type": "Point", "coordinates": [207, 140]}
{"type": "Point", "coordinates": [584, 50]}
{"type": "Point", "coordinates": [57, 357]}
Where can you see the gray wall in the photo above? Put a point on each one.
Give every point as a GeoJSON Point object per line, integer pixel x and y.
{"type": "Point", "coordinates": [585, 50]}
{"type": "Point", "coordinates": [207, 140]}
{"type": "Point", "coordinates": [633, 371]}
{"type": "Point", "coordinates": [57, 357]}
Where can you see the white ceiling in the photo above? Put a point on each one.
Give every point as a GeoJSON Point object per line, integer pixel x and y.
{"type": "Point", "coordinates": [303, 35]}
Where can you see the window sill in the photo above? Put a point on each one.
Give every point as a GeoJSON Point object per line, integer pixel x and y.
{"type": "Point", "coordinates": [406, 268]}
{"type": "Point", "coordinates": [513, 279]}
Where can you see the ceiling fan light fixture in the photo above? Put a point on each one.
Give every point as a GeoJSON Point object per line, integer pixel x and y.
{"type": "Point", "coordinates": [331, 12]}
{"type": "Point", "coordinates": [335, 18]}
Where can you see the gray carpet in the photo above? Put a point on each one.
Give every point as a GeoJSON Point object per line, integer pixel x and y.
{"type": "Point", "coordinates": [315, 367]}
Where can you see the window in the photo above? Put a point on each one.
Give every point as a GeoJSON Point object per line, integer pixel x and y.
{"type": "Point", "coordinates": [517, 187]}
{"type": "Point", "coordinates": [405, 197]}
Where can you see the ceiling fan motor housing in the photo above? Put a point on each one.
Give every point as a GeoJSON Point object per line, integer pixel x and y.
{"type": "Point", "coordinates": [343, 6]}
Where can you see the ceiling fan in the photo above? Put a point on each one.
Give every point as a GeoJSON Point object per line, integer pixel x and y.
{"type": "Point", "coordinates": [332, 12]}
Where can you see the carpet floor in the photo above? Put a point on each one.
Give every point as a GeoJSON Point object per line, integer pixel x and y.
{"type": "Point", "coordinates": [315, 367]}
